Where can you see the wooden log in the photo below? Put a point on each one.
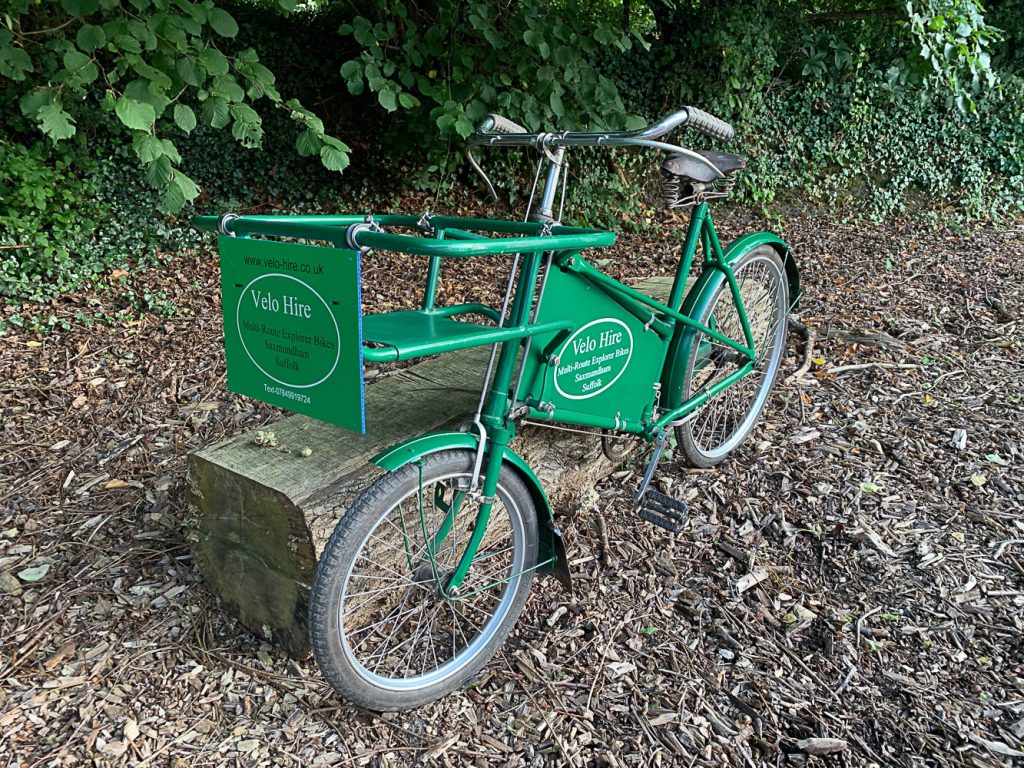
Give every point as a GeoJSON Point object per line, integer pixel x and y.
{"type": "Point", "coordinates": [263, 504]}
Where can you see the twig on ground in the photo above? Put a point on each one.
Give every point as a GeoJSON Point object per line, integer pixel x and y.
{"type": "Point", "coordinates": [846, 680]}
{"type": "Point", "coordinates": [1002, 547]}
{"type": "Point", "coordinates": [862, 366]}
{"type": "Point", "coordinates": [600, 664]}
{"type": "Point", "coordinates": [861, 620]}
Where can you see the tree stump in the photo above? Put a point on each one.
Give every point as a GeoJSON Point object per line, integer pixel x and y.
{"type": "Point", "coordinates": [262, 507]}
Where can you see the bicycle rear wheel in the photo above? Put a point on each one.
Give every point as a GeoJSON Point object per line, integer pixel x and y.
{"type": "Point", "coordinates": [727, 419]}
{"type": "Point", "coordinates": [384, 635]}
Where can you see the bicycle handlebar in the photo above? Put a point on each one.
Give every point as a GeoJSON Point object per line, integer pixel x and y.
{"type": "Point", "coordinates": [709, 125]}
{"type": "Point", "coordinates": [497, 124]}
{"type": "Point", "coordinates": [495, 130]}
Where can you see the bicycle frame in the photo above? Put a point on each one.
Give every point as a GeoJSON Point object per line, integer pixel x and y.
{"type": "Point", "coordinates": [667, 318]}
{"type": "Point", "coordinates": [496, 416]}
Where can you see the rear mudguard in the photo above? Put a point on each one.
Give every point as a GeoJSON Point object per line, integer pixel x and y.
{"type": "Point", "coordinates": [703, 292]}
{"type": "Point", "coordinates": [550, 544]}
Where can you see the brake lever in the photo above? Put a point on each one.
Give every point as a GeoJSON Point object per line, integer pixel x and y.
{"type": "Point", "coordinates": [480, 172]}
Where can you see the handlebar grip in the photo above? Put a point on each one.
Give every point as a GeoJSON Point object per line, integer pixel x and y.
{"type": "Point", "coordinates": [498, 124]}
{"type": "Point", "coordinates": [709, 125]}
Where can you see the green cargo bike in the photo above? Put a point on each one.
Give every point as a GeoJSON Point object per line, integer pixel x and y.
{"type": "Point", "coordinates": [428, 570]}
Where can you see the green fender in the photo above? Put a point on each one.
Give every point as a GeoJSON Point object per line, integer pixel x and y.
{"type": "Point", "coordinates": [703, 291]}
{"type": "Point", "coordinates": [550, 543]}
{"type": "Point", "coordinates": [400, 454]}
{"type": "Point", "coordinates": [749, 242]}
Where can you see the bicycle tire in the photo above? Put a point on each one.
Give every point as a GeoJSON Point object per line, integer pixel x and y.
{"type": "Point", "coordinates": [722, 424]}
{"type": "Point", "coordinates": [350, 641]}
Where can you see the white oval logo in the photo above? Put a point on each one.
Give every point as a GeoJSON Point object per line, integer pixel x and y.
{"type": "Point", "coordinates": [593, 358]}
{"type": "Point", "coordinates": [279, 324]}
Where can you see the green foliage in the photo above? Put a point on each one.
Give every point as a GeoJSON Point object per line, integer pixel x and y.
{"type": "Point", "coordinates": [151, 65]}
{"type": "Point", "coordinates": [43, 207]}
{"type": "Point", "coordinates": [954, 46]}
{"type": "Point", "coordinates": [829, 101]}
{"type": "Point", "coordinates": [447, 65]}
{"type": "Point", "coordinates": [607, 188]}
{"type": "Point", "coordinates": [878, 152]}
{"type": "Point", "coordinates": [744, 49]}
{"type": "Point", "coordinates": [66, 220]}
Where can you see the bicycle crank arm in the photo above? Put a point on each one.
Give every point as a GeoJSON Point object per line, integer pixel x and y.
{"type": "Point", "coordinates": [660, 441]}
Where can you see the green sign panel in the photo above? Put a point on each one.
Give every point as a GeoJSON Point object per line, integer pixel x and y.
{"type": "Point", "coordinates": [593, 358]}
{"type": "Point", "coordinates": [293, 327]}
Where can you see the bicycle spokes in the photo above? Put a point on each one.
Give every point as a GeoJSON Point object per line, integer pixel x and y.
{"type": "Point", "coordinates": [399, 621]}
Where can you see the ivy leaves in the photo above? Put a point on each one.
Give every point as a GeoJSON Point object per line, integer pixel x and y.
{"type": "Point", "coordinates": [154, 66]}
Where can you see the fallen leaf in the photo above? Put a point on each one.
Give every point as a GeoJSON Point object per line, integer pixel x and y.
{"type": "Point", "coordinates": [66, 682]}
{"type": "Point", "coordinates": [66, 650]}
{"type": "Point", "coordinates": [9, 584]}
{"type": "Point", "coordinates": [115, 748]}
{"type": "Point", "coordinates": [620, 668]}
{"type": "Point", "coordinates": [35, 573]}
{"type": "Point", "coordinates": [752, 579]}
{"type": "Point", "coordinates": [979, 479]}
{"type": "Point", "coordinates": [114, 484]}
{"type": "Point", "coordinates": [995, 458]}
{"type": "Point", "coordinates": [804, 436]}
{"type": "Point", "coordinates": [438, 749]}
{"type": "Point", "coordinates": [999, 747]}
{"type": "Point", "coordinates": [869, 487]}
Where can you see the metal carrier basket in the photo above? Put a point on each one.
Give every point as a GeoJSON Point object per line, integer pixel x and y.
{"type": "Point", "coordinates": [686, 192]}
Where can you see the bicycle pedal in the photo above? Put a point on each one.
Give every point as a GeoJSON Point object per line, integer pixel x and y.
{"type": "Point", "coordinates": [663, 511]}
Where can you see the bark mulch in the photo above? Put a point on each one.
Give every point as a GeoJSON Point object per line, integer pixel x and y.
{"type": "Point", "coordinates": [848, 591]}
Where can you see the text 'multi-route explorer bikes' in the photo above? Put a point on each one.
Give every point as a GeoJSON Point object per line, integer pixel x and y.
{"type": "Point", "coordinates": [427, 571]}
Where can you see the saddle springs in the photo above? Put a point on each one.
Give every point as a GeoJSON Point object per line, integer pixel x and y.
{"type": "Point", "coordinates": [685, 192]}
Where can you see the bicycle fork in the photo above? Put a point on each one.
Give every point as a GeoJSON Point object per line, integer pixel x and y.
{"type": "Point", "coordinates": [491, 421]}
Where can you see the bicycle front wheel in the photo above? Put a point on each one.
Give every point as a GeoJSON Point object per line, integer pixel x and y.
{"type": "Point", "coordinates": [384, 633]}
{"type": "Point", "coordinates": [728, 418]}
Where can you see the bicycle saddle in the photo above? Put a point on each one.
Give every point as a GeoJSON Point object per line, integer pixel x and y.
{"type": "Point", "coordinates": [686, 167]}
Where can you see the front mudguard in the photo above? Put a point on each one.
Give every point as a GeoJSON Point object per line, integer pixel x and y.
{"type": "Point", "coordinates": [550, 544]}
{"type": "Point", "coordinates": [703, 292]}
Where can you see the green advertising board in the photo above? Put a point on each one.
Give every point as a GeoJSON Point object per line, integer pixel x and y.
{"type": "Point", "coordinates": [293, 327]}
